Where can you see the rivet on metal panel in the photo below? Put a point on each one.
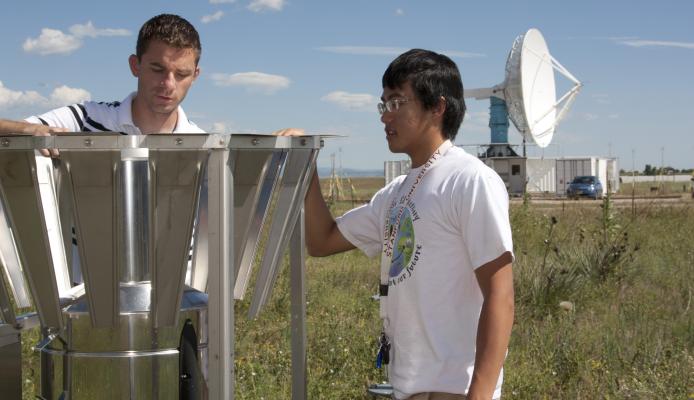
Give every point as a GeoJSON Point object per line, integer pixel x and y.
{"type": "Point", "coordinates": [179, 141]}
{"type": "Point", "coordinates": [255, 141]}
{"type": "Point", "coordinates": [5, 142]}
{"type": "Point", "coordinates": [88, 142]}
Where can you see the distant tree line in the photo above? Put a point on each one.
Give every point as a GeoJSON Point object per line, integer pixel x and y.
{"type": "Point", "coordinates": [651, 170]}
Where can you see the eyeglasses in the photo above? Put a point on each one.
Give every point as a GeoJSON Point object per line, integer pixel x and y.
{"type": "Point", "coordinates": [391, 105]}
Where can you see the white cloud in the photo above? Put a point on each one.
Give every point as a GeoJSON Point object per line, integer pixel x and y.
{"type": "Point", "coordinates": [614, 38]}
{"type": "Point", "coordinates": [222, 1]}
{"type": "Point", "coordinates": [352, 101]}
{"type": "Point", "coordinates": [590, 116]}
{"type": "Point", "coordinates": [652, 43]}
{"type": "Point", "coordinates": [12, 98]}
{"type": "Point", "coordinates": [62, 95]}
{"type": "Point", "coordinates": [54, 41]}
{"type": "Point", "coordinates": [264, 5]}
{"type": "Point", "coordinates": [460, 54]}
{"type": "Point", "coordinates": [613, 116]}
{"type": "Point", "coordinates": [206, 19]}
{"type": "Point", "coordinates": [399, 12]}
{"type": "Point", "coordinates": [364, 50]}
{"type": "Point", "coordinates": [89, 30]}
{"type": "Point", "coordinates": [389, 51]}
{"type": "Point", "coordinates": [253, 81]}
{"type": "Point", "coordinates": [218, 127]}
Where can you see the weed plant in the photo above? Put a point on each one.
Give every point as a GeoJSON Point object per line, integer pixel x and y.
{"type": "Point", "coordinates": [625, 328]}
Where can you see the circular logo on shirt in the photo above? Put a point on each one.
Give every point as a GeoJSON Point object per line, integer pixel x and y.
{"type": "Point", "coordinates": [403, 245]}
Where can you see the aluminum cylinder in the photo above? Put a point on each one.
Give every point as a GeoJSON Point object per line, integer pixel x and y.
{"type": "Point", "coordinates": [134, 206]}
{"type": "Point", "coordinates": [132, 361]}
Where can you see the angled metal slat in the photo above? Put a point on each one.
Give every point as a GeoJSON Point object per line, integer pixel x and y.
{"type": "Point", "coordinates": [199, 267]}
{"type": "Point", "coordinates": [252, 197]}
{"type": "Point", "coordinates": [295, 178]}
{"type": "Point", "coordinates": [94, 179]}
{"type": "Point", "coordinates": [21, 194]}
{"type": "Point", "coordinates": [9, 258]}
{"type": "Point", "coordinates": [176, 183]}
{"type": "Point", "coordinates": [7, 314]}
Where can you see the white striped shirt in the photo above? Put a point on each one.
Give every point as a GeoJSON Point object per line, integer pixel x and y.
{"type": "Point", "coordinates": [91, 116]}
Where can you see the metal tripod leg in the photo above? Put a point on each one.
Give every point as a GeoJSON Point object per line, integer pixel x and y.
{"type": "Point", "coordinates": [221, 277]}
{"type": "Point", "coordinates": [297, 258]}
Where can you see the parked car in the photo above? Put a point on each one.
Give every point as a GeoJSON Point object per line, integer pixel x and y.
{"type": "Point", "coordinates": [585, 186]}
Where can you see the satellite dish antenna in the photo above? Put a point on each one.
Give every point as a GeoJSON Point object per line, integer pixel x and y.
{"type": "Point", "coordinates": [527, 96]}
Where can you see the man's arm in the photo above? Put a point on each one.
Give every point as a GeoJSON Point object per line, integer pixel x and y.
{"type": "Point", "coordinates": [22, 127]}
{"type": "Point", "coordinates": [8, 126]}
{"type": "Point", "coordinates": [323, 238]}
{"type": "Point", "coordinates": [494, 329]}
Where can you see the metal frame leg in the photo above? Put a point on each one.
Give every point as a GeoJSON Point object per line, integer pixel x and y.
{"type": "Point", "coordinates": [220, 285]}
{"type": "Point", "coordinates": [297, 258]}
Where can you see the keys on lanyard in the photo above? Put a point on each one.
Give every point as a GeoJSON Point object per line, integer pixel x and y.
{"type": "Point", "coordinates": [383, 356]}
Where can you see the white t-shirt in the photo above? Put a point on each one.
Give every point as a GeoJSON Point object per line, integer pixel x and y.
{"type": "Point", "coordinates": [91, 116]}
{"type": "Point", "coordinates": [455, 221]}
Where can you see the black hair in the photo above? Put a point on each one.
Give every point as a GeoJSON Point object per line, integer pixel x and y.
{"type": "Point", "coordinates": [431, 76]}
{"type": "Point", "coordinates": [171, 29]}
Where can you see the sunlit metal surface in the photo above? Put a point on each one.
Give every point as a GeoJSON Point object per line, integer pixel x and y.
{"type": "Point", "coordinates": [22, 200]}
{"type": "Point", "coordinates": [9, 260]}
{"type": "Point", "coordinates": [292, 191]}
{"type": "Point", "coordinates": [253, 212]}
{"type": "Point", "coordinates": [137, 203]}
{"type": "Point", "coordinates": [176, 183]}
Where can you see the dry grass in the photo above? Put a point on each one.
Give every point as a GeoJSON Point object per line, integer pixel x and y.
{"type": "Point", "coordinates": [628, 335]}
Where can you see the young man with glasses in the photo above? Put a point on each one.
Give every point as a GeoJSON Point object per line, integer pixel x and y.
{"type": "Point", "coordinates": [443, 235]}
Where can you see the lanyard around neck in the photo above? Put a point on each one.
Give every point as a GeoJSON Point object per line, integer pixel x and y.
{"type": "Point", "coordinates": [391, 231]}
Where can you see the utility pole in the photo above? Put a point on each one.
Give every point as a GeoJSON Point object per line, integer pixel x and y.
{"type": "Point", "coordinates": [633, 184]}
{"type": "Point", "coordinates": [662, 167]}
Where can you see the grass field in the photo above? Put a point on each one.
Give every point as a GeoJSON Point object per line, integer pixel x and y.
{"type": "Point", "coordinates": [624, 330]}
{"type": "Point", "coordinates": [655, 188]}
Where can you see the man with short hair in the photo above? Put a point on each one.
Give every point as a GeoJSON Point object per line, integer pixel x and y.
{"type": "Point", "coordinates": [444, 239]}
{"type": "Point", "coordinates": [165, 65]}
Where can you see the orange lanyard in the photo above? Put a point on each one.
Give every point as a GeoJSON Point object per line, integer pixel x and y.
{"type": "Point", "coordinates": [391, 231]}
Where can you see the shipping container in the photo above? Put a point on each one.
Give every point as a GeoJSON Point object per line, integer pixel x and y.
{"type": "Point", "coordinates": [613, 175]}
{"type": "Point", "coordinates": [541, 175]}
{"type": "Point", "coordinates": [606, 169]}
{"type": "Point", "coordinates": [569, 168]}
{"type": "Point", "coordinates": [393, 169]}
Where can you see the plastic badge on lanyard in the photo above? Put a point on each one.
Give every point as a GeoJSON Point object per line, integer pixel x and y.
{"type": "Point", "coordinates": [383, 356]}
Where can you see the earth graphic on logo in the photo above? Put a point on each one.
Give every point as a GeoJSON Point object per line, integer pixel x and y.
{"type": "Point", "coordinates": [404, 241]}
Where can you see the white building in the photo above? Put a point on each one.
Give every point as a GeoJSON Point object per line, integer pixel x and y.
{"type": "Point", "coordinates": [535, 174]}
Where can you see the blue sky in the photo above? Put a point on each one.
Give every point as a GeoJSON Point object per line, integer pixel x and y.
{"type": "Point", "coordinates": [268, 64]}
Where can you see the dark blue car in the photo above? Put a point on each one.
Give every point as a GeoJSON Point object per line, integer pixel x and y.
{"type": "Point", "coordinates": [585, 186]}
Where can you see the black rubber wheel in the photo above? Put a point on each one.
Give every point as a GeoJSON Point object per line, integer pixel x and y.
{"type": "Point", "coordinates": [190, 377]}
